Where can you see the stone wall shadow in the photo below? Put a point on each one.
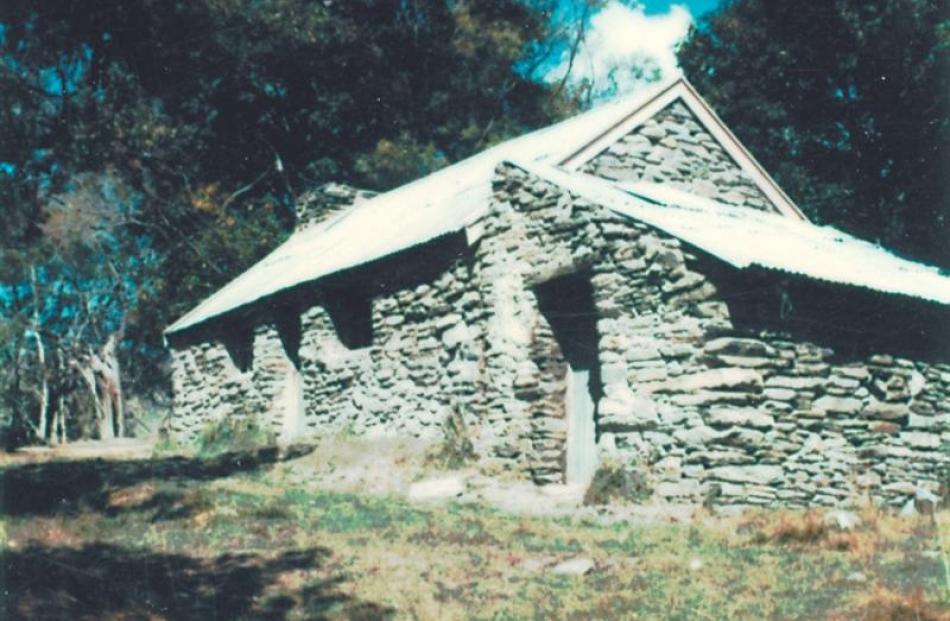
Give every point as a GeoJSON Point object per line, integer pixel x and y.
{"type": "Point", "coordinates": [852, 321]}
{"type": "Point", "coordinates": [99, 582]}
{"type": "Point", "coordinates": [68, 487]}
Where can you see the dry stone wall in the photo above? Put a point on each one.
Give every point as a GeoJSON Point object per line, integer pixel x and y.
{"type": "Point", "coordinates": [710, 408]}
{"type": "Point", "coordinates": [211, 383]}
{"type": "Point", "coordinates": [673, 148]}
{"type": "Point", "coordinates": [645, 297]}
{"type": "Point", "coordinates": [419, 365]}
{"type": "Point", "coordinates": [276, 379]}
{"type": "Point", "coordinates": [522, 385]}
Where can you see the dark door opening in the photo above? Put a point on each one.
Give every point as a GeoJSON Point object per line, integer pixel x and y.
{"type": "Point", "coordinates": [567, 303]}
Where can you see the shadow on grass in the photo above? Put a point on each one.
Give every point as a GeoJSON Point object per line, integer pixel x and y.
{"type": "Point", "coordinates": [105, 582]}
{"type": "Point", "coordinates": [67, 487]}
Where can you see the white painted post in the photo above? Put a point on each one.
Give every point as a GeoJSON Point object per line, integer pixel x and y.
{"type": "Point", "coordinates": [581, 443]}
{"type": "Point", "coordinates": [292, 405]}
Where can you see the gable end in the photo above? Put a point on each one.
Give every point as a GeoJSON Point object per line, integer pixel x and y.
{"type": "Point", "coordinates": [675, 138]}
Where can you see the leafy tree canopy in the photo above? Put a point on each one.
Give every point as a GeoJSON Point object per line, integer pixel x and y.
{"type": "Point", "coordinates": [150, 151]}
{"type": "Point", "coordinates": [846, 103]}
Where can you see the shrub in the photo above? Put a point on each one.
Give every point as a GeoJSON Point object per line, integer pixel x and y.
{"type": "Point", "coordinates": [456, 448]}
{"type": "Point", "coordinates": [614, 480]}
{"type": "Point", "coordinates": [233, 434]}
{"type": "Point", "coordinates": [166, 444]}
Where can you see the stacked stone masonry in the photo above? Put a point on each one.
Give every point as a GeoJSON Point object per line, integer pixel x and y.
{"type": "Point", "coordinates": [707, 407]}
{"type": "Point", "coordinates": [419, 367]}
{"type": "Point", "coordinates": [674, 148]}
{"type": "Point", "coordinates": [712, 408]}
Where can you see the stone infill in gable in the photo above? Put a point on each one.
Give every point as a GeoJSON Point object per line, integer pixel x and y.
{"type": "Point", "coordinates": [675, 149]}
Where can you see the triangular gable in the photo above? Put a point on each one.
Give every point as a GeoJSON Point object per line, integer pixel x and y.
{"type": "Point", "coordinates": [675, 138]}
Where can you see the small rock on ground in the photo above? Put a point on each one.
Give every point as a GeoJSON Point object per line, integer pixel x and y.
{"type": "Point", "coordinates": [842, 520]}
{"type": "Point", "coordinates": [533, 564]}
{"type": "Point", "coordinates": [574, 567]}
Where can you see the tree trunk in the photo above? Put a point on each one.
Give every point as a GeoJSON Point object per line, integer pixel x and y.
{"type": "Point", "coordinates": [103, 376]}
{"type": "Point", "coordinates": [88, 374]}
{"type": "Point", "coordinates": [59, 422]}
{"type": "Point", "coordinates": [104, 424]}
{"type": "Point", "coordinates": [111, 382]}
{"type": "Point", "coordinates": [40, 431]}
{"type": "Point", "coordinates": [58, 428]}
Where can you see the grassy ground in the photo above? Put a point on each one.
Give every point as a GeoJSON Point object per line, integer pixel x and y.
{"type": "Point", "coordinates": [238, 537]}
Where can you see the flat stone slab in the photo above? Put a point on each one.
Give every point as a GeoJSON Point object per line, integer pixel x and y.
{"type": "Point", "coordinates": [756, 474]}
{"type": "Point", "coordinates": [716, 379]}
{"type": "Point", "coordinates": [685, 488]}
{"type": "Point", "coordinates": [838, 405]}
{"type": "Point", "coordinates": [920, 439]}
{"type": "Point", "coordinates": [743, 417]}
{"type": "Point", "coordinates": [533, 564]}
{"type": "Point", "coordinates": [443, 488]}
{"type": "Point", "coordinates": [524, 497]}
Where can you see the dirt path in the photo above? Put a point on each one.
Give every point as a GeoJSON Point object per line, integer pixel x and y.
{"type": "Point", "coordinates": [400, 467]}
{"type": "Point", "coordinates": [120, 448]}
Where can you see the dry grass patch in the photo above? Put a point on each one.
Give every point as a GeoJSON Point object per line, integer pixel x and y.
{"type": "Point", "coordinates": [130, 497]}
{"type": "Point", "coordinates": [874, 532]}
{"type": "Point", "coordinates": [883, 604]}
{"type": "Point", "coordinates": [791, 528]}
{"type": "Point", "coordinates": [245, 533]}
{"type": "Point", "coordinates": [881, 549]}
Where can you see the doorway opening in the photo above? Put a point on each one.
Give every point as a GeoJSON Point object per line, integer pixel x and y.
{"type": "Point", "coordinates": [567, 303]}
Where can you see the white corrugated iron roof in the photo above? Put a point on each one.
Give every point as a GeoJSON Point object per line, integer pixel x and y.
{"type": "Point", "coordinates": [744, 237]}
{"type": "Point", "coordinates": [443, 202]}
{"type": "Point", "coordinates": [455, 197]}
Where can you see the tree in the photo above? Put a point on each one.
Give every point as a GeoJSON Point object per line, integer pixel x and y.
{"type": "Point", "coordinates": [84, 274]}
{"type": "Point", "coordinates": [845, 103]}
{"type": "Point", "coordinates": [151, 151]}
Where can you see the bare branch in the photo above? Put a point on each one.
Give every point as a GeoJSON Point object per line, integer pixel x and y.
{"type": "Point", "coordinates": [244, 189]}
{"type": "Point", "coordinates": [575, 47]}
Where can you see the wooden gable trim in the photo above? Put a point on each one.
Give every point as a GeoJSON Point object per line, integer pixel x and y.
{"type": "Point", "coordinates": [682, 90]}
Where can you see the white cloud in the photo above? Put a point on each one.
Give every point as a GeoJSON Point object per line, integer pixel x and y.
{"type": "Point", "coordinates": [620, 39]}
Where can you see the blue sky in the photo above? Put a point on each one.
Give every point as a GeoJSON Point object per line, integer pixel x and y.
{"type": "Point", "coordinates": [696, 7]}
{"type": "Point", "coordinates": [625, 35]}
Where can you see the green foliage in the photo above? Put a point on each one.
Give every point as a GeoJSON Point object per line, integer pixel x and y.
{"type": "Point", "coordinates": [150, 152]}
{"type": "Point", "coordinates": [166, 446]}
{"type": "Point", "coordinates": [396, 160]}
{"type": "Point", "coordinates": [845, 103]}
{"type": "Point", "coordinates": [614, 481]}
{"type": "Point", "coordinates": [233, 435]}
{"type": "Point", "coordinates": [456, 449]}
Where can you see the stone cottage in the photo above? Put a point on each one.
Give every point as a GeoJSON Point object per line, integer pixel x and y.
{"type": "Point", "coordinates": [627, 284]}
